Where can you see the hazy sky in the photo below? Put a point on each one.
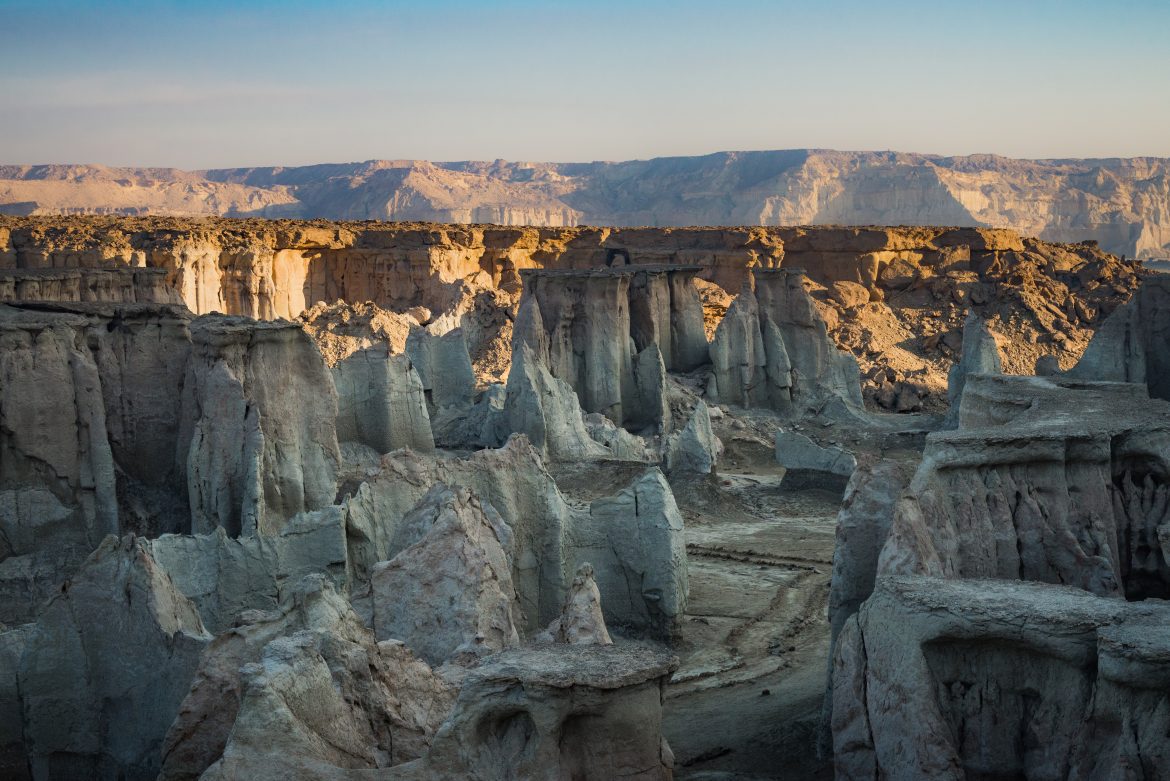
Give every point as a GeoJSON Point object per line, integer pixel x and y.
{"type": "Point", "coordinates": [211, 84]}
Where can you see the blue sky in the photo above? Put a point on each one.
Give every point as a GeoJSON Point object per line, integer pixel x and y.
{"type": "Point", "coordinates": [211, 84]}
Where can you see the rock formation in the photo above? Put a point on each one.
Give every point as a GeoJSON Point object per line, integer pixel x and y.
{"type": "Point", "coordinates": [1115, 201]}
{"type": "Point", "coordinates": [958, 679]}
{"type": "Point", "coordinates": [581, 620]}
{"type": "Point", "coordinates": [994, 642]}
{"type": "Point", "coordinates": [566, 711]}
{"type": "Point", "coordinates": [461, 562]}
{"type": "Point", "coordinates": [1132, 345]}
{"type": "Point", "coordinates": [301, 690]}
{"type": "Point", "coordinates": [773, 350]}
{"type": "Point", "coordinates": [980, 355]}
{"type": "Point", "coordinates": [105, 669]}
{"type": "Point", "coordinates": [381, 402]}
{"type": "Point", "coordinates": [804, 459]}
{"type": "Point", "coordinates": [695, 449]}
{"type": "Point", "coordinates": [635, 541]}
{"type": "Point", "coordinates": [894, 297]}
{"type": "Point", "coordinates": [124, 285]}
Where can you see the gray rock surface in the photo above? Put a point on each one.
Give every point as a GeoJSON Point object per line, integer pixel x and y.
{"type": "Point", "coordinates": [947, 679]}
{"type": "Point", "coordinates": [106, 666]}
{"type": "Point", "coordinates": [381, 402]}
{"type": "Point", "coordinates": [304, 690]}
{"type": "Point", "coordinates": [450, 592]}
{"type": "Point", "coordinates": [581, 620]}
{"type": "Point", "coordinates": [1132, 344]}
{"type": "Point", "coordinates": [695, 449]}
{"type": "Point", "coordinates": [555, 712]}
{"type": "Point", "coordinates": [225, 576]}
{"type": "Point", "coordinates": [980, 355]}
{"type": "Point", "coordinates": [772, 350]}
{"type": "Point", "coordinates": [796, 451]}
{"type": "Point", "coordinates": [636, 544]}
{"type": "Point", "coordinates": [444, 367]}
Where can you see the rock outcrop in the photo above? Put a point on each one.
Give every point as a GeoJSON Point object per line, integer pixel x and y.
{"type": "Point", "coordinates": [565, 711]}
{"type": "Point", "coordinates": [804, 460]}
{"type": "Point", "coordinates": [301, 691]}
{"type": "Point", "coordinates": [959, 679]}
{"type": "Point", "coordinates": [612, 334]}
{"type": "Point", "coordinates": [980, 355]}
{"type": "Point", "coordinates": [695, 449]}
{"type": "Point", "coordinates": [894, 297]}
{"type": "Point", "coordinates": [581, 620]}
{"type": "Point", "coordinates": [450, 591]}
{"type": "Point", "coordinates": [773, 350]}
{"type": "Point", "coordinates": [1133, 345]}
{"type": "Point", "coordinates": [104, 671]}
{"type": "Point", "coordinates": [119, 285]}
{"type": "Point", "coordinates": [636, 544]}
{"type": "Point", "coordinates": [1118, 202]}
{"type": "Point", "coordinates": [138, 418]}
{"type": "Point", "coordinates": [381, 402]}
{"type": "Point", "coordinates": [997, 640]}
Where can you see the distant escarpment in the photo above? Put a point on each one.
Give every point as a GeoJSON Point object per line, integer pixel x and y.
{"type": "Point", "coordinates": [1124, 204]}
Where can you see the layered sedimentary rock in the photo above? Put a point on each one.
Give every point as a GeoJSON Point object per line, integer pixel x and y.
{"type": "Point", "coordinates": [261, 448]}
{"type": "Point", "coordinates": [1120, 202]}
{"type": "Point", "coordinates": [997, 641]}
{"type": "Point", "coordinates": [302, 691]}
{"type": "Point", "coordinates": [106, 667]}
{"type": "Point", "coordinates": [959, 679]}
{"type": "Point", "coordinates": [119, 285]}
{"type": "Point", "coordinates": [773, 350]}
{"type": "Point", "coordinates": [1071, 489]}
{"type": "Point", "coordinates": [612, 334]}
{"type": "Point", "coordinates": [553, 712]}
{"type": "Point", "coordinates": [139, 418]}
{"type": "Point", "coordinates": [895, 297]}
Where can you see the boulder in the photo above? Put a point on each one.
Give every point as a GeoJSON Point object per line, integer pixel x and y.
{"type": "Point", "coordinates": [636, 543]}
{"type": "Point", "coordinates": [805, 462]}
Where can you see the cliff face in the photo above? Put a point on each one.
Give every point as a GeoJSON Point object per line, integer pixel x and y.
{"type": "Point", "coordinates": [894, 297]}
{"type": "Point", "coordinates": [1122, 203]}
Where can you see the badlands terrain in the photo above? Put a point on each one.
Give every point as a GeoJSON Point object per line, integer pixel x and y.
{"type": "Point", "coordinates": [359, 500]}
{"type": "Point", "coordinates": [1122, 203]}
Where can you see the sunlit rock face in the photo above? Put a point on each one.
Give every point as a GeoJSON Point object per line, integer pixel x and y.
{"type": "Point", "coordinates": [1121, 203]}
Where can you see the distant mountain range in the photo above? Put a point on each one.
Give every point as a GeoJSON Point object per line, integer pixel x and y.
{"type": "Point", "coordinates": [1123, 203]}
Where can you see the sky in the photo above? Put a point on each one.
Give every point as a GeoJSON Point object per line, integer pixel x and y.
{"type": "Point", "coordinates": [291, 82]}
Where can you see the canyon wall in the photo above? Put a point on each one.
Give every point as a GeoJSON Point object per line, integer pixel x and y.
{"type": "Point", "coordinates": [1122, 203]}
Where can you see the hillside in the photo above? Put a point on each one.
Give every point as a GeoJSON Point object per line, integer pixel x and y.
{"type": "Point", "coordinates": [1124, 204]}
